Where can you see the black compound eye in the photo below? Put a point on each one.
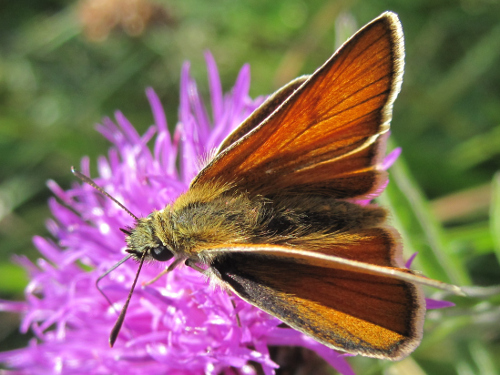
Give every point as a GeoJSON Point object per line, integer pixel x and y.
{"type": "Point", "coordinates": [161, 253]}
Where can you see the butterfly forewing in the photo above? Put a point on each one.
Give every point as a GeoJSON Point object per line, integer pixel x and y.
{"type": "Point", "coordinates": [325, 136]}
{"type": "Point", "coordinates": [262, 112]}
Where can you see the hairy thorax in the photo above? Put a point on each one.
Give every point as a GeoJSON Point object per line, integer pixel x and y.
{"type": "Point", "coordinates": [213, 215]}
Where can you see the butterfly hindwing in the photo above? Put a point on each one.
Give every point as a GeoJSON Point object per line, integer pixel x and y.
{"type": "Point", "coordinates": [360, 313]}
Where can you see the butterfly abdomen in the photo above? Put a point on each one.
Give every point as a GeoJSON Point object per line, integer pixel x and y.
{"type": "Point", "coordinates": [228, 216]}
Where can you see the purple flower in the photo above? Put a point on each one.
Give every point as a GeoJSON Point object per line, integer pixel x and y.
{"type": "Point", "coordinates": [177, 325]}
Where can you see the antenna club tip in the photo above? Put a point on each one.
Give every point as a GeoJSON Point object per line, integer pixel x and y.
{"type": "Point", "coordinates": [73, 170]}
{"type": "Point", "coordinates": [116, 330]}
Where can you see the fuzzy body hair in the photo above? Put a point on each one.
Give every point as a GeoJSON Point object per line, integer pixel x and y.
{"type": "Point", "coordinates": [210, 215]}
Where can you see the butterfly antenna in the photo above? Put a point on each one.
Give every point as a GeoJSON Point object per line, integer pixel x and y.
{"type": "Point", "coordinates": [118, 325]}
{"type": "Point", "coordinates": [91, 182]}
{"type": "Point", "coordinates": [106, 274]}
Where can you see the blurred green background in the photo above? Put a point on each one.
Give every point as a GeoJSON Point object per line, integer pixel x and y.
{"type": "Point", "coordinates": [65, 64]}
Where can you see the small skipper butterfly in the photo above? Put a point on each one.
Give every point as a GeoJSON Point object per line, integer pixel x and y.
{"type": "Point", "coordinates": [272, 217]}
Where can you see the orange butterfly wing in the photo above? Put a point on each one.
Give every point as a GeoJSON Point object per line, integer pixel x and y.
{"type": "Point", "coordinates": [360, 312]}
{"type": "Point", "coordinates": [262, 112]}
{"type": "Point", "coordinates": [326, 137]}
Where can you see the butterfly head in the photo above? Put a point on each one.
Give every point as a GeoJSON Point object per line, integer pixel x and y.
{"type": "Point", "coordinates": [143, 239]}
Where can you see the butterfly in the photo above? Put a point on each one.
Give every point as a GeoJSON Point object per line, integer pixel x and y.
{"type": "Point", "coordinates": [275, 217]}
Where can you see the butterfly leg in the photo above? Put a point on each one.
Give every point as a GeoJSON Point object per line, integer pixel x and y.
{"type": "Point", "coordinates": [164, 272]}
{"type": "Point", "coordinates": [238, 320]}
{"type": "Point", "coordinates": [193, 265]}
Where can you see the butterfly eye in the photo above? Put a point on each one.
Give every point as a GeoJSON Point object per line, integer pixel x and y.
{"type": "Point", "coordinates": [161, 253]}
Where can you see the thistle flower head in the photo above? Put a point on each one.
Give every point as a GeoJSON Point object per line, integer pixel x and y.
{"type": "Point", "coordinates": [177, 325]}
